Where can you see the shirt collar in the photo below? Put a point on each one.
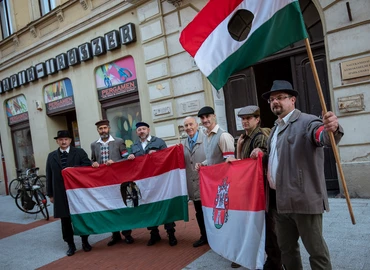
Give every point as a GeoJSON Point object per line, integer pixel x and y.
{"type": "Point", "coordinates": [214, 130]}
{"type": "Point", "coordinates": [67, 150]}
{"type": "Point", "coordinates": [195, 137]}
{"type": "Point", "coordinates": [285, 119]}
{"type": "Point", "coordinates": [110, 139]}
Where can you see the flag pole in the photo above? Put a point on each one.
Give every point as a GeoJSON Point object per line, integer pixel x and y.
{"type": "Point", "coordinates": [331, 136]}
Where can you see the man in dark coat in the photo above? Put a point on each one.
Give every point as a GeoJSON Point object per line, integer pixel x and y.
{"type": "Point", "coordinates": [65, 156]}
{"type": "Point", "coordinates": [107, 150]}
{"type": "Point", "coordinates": [148, 144]}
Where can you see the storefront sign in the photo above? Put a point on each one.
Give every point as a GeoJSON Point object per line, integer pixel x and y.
{"type": "Point", "coordinates": [59, 96]}
{"type": "Point", "coordinates": [116, 78]}
{"type": "Point", "coordinates": [98, 46]}
{"type": "Point", "coordinates": [16, 110]}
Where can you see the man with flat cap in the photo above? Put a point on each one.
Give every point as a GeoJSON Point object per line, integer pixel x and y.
{"type": "Point", "coordinates": [65, 156]}
{"type": "Point", "coordinates": [256, 137]}
{"type": "Point", "coordinates": [218, 144]}
{"type": "Point", "coordinates": [107, 150]}
{"type": "Point", "coordinates": [296, 173]}
{"type": "Point", "coordinates": [147, 144]}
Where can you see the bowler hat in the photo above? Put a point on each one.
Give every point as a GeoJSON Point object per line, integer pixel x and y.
{"type": "Point", "coordinates": [102, 123]}
{"type": "Point", "coordinates": [206, 110]}
{"type": "Point", "coordinates": [63, 134]}
{"type": "Point", "coordinates": [280, 86]}
{"type": "Point", "coordinates": [249, 110]}
{"type": "Point", "coordinates": [141, 124]}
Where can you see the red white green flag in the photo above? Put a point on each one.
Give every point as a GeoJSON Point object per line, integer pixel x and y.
{"type": "Point", "coordinates": [275, 25]}
{"type": "Point", "coordinates": [97, 204]}
{"type": "Point", "coordinates": [233, 201]}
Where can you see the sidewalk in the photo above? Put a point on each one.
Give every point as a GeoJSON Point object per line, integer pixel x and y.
{"type": "Point", "coordinates": [26, 243]}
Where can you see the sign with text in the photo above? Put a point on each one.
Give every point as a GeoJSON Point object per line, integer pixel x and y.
{"type": "Point", "coordinates": [355, 68]}
{"type": "Point", "coordinates": [58, 96]}
{"type": "Point", "coordinates": [17, 110]}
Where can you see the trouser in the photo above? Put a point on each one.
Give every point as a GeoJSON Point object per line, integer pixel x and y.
{"type": "Point", "coordinates": [67, 231]}
{"type": "Point", "coordinates": [117, 235]}
{"type": "Point", "coordinates": [271, 245]}
{"type": "Point", "coordinates": [200, 219]}
{"type": "Point", "coordinates": [289, 227]}
{"type": "Point", "coordinates": [169, 227]}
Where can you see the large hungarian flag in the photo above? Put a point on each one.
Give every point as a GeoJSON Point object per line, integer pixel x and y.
{"type": "Point", "coordinates": [99, 203]}
{"type": "Point", "coordinates": [233, 201]}
{"type": "Point", "coordinates": [275, 25]}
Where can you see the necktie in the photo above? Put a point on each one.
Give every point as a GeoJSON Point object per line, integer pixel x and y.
{"type": "Point", "coordinates": [191, 144]}
{"type": "Point", "coordinates": [63, 159]}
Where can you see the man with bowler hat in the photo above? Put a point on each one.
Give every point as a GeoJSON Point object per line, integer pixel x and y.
{"type": "Point", "coordinates": [296, 174]}
{"type": "Point", "coordinates": [65, 156]}
{"type": "Point", "coordinates": [107, 150]}
{"type": "Point", "coordinates": [147, 144]}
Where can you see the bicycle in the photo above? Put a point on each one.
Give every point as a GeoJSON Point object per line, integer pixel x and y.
{"type": "Point", "coordinates": [30, 196]}
{"type": "Point", "coordinates": [16, 184]}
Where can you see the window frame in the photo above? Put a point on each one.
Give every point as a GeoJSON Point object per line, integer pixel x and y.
{"type": "Point", "coordinates": [5, 12]}
{"type": "Point", "coordinates": [46, 6]}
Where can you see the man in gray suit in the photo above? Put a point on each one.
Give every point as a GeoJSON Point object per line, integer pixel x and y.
{"type": "Point", "coordinates": [107, 150]}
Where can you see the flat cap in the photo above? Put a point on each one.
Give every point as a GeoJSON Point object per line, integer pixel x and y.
{"type": "Point", "coordinates": [249, 110]}
{"type": "Point", "coordinates": [280, 86]}
{"type": "Point", "coordinates": [102, 123]}
{"type": "Point", "coordinates": [141, 124]}
{"type": "Point", "coordinates": [63, 134]}
{"type": "Point", "coordinates": [206, 110]}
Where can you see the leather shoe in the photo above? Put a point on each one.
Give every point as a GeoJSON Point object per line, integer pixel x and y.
{"type": "Point", "coordinates": [129, 239]}
{"type": "Point", "coordinates": [86, 246]}
{"type": "Point", "coordinates": [172, 239]}
{"type": "Point", "coordinates": [71, 250]}
{"type": "Point", "coordinates": [235, 265]}
{"type": "Point", "coordinates": [200, 242]}
{"type": "Point", "coordinates": [154, 238]}
{"type": "Point", "coordinates": [113, 241]}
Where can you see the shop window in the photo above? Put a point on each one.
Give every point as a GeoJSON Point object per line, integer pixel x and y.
{"type": "Point", "coordinates": [6, 23]}
{"type": "Point", "coordinates": [123, 121]}
{"type": "Point", "coordinates": [46, 6]}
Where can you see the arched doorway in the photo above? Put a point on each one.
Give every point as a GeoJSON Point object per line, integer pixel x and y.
{"type": "Point", "coordinates": [291, 64]}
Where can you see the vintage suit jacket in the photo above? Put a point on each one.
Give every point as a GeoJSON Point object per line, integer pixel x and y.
{"type": "Point", "coordinates": [154, 144]}
{"type": "Point", "coordinates": [116, 149]}
{"type": "Point", "coordinates": [54, 180]}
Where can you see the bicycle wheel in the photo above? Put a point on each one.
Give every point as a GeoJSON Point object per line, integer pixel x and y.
{"type": "Point", "coordinates": [41, 182]}
{"type": "Point", "coordinates": [14, 186]}
{"type": "Point", "coordinates": [25, 202]}
{"type": "Point", "coordinates": [42, 203]}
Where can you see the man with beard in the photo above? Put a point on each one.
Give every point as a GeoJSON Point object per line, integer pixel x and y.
{"type": "Point", "coordinates": [65, 156]}
{"type": "Point", "coordinates": [147, 144]}
{"type": "Point", "coordinates": [107, 150]}
{"type": "Point", "coordinates": [296, 174]}
{"type": "Point", "coordinates": [256, 137]}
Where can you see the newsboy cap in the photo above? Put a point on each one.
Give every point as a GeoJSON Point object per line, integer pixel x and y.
{"type": "Point", "coordinates": [280, 86]}
{"type": "Point", "coordinates": [63, 134]}
{"type": "Point", "coordinates": [102, 123]}
{"type": "Point", "coordinates": [249, 110]}
{"type": "Point", "coordinates": [141, 124]}
{"type": "Point", "coordinates": [206, 110]}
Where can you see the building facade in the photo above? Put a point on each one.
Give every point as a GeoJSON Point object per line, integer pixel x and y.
{"type": "Point", "coordinates": [64, 64]}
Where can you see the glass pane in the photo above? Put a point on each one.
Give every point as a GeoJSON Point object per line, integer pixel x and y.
{"type": "Point", "coordinates": [45, 7]}
{"type": "Point", "coordinates": [123, 121]}
{"type": "Point", "coordinates": [5, 21]}
{"type": "Point", "coordinates": [23, 149]}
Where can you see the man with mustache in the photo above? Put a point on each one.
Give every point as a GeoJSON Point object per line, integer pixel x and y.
{"type": "Point", "coordinates": [65, 156]}
{"type": "Point", "coordinates": [147, 144]}
{"type": "Point", "coordinates": [296, 174]}
{"type": "Point", "coordinates": [107, 150]}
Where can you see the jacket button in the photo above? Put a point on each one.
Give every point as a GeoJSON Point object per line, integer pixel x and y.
{"type": "Point", "coordinates": [191, 162]}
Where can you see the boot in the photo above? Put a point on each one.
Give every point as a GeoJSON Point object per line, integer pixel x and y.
{"type": "Point", "coordinates": [71, 249]}
{"type": "Point", "coordinates": [154, 238]}
{"type": "Point", "coordinates": [85, 244]}
{"type": "Point", "coordinates": [172, 239]}
{"type": "Point", "coordinates": [116, 237]}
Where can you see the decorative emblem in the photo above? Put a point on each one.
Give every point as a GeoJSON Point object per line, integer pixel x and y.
{"type": "Point", "coordinates": [130, 194]}
{"type": "Point", "coordinates": [221, 205]}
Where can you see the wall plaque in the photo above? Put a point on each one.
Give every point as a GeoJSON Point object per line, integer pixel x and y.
{"type": "Point", "coordinates": [190, 106]}
{"type": "Point", "coordinates": [355, 68]}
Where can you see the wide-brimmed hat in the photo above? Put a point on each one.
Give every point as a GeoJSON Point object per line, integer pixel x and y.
{"type": "Point", "coordinates": [280, 86]}
{"type": "Point", "coordinates": [104, 122]}
{"type": "Point", "coordinates": [249, 110]}
{"type": "Point", "coordinates": [206, 110]}
{"type": "Point", "coordinates": [63, 134]}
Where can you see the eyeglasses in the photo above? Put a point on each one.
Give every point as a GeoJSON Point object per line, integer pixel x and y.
{"type": "Point", "coordinates": [278, 98]}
